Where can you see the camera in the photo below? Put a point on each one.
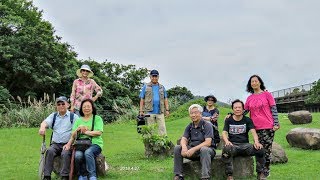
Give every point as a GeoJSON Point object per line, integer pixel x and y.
{"type": "Point", "coordinates": [141, 121]}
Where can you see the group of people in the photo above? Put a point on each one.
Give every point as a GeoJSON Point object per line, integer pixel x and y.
{"type": "Point", "coordinates": [81, 121]}
{"type": "Point", "coordinates": [198, 140]}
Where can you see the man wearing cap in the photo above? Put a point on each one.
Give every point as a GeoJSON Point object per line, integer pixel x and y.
{"type": "Point", "coordinates": [154, 101]}
{"type": "Point", "coordinates": [83, 88]}
{"type": "Point", "coordinates": [61, 124]}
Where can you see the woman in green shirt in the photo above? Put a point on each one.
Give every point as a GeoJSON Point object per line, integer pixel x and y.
{"type": "Point", "coordinates": [85, 160]}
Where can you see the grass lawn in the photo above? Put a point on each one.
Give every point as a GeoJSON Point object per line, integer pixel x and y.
{"type": "Point", "coordinates": [20, 152]}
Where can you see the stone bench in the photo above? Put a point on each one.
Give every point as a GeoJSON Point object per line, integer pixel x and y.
{"type": "Point", "coordinates": [100, 165]}
{"type": "Point", "coordinates": [243, 168]}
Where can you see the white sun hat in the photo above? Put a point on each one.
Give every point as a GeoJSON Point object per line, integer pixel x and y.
{"type": "Point", "coordinates": [84, 67]}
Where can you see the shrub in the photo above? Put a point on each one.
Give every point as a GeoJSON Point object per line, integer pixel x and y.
{"type": "Point", "coordinates": [155, 145]}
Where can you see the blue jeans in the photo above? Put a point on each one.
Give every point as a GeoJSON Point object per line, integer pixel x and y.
{"type": "Point", "coordinates": [85, 161]}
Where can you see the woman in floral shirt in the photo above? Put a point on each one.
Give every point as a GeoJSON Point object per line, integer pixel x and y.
{"type": "Point", "coordinates": [83, 88]}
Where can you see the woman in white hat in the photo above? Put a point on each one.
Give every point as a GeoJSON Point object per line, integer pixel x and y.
{"type": "Point", "coordinates": [83, 88]}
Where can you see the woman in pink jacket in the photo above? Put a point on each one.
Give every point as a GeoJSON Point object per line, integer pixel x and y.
{"type": "Point", "coordinates": [83, 88]}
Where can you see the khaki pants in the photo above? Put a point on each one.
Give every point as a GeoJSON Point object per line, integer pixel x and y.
{"type": "Point", "coordinates": [159, 119]}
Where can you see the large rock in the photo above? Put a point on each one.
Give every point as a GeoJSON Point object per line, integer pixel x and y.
{"type": "Point", "coordinates": [300, 117]}
{"type": "Point", "coordinates": [242, 168]}
{"type": "Point", "coordinates": [101, 165]}
{"type": "Point", "coordinates": [278, 155]}
{"type": "Point", "coordinates": [305, 138]}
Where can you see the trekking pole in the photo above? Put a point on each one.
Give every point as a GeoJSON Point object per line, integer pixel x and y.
{"type": "Point", "coordinates": [72, 163]}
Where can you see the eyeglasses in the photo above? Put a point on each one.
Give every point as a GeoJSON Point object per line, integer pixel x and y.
{"type": "Point", "coordinates": [59, 104]}
{"type": "Point", "coordinates": [210, 99]}
{"type": "Point", "coordinates": [83, 70]}
{"type": "Point", "coordinates": [154, 75]}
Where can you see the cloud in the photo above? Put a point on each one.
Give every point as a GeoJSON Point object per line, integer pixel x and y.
{"type": "Point", "coordinates": [207, 46]}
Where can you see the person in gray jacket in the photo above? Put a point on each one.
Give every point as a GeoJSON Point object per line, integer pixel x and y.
{"type": "Point", "coordinates": [196, 143]}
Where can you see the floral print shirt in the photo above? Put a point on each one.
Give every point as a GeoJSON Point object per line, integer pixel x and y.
{"type": "Point", "coordinates": [83, 90]}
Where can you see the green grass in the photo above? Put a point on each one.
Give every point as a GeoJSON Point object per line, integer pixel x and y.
{"type": "Point", "coordinates": [124, 150]}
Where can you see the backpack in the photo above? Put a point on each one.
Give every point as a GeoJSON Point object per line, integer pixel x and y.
{"type": "Point", "coordinates": [216, 136]}
{"type": "Point", "coordinates": [54, 120]}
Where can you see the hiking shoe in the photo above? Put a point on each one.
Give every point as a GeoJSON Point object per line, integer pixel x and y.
{"type": "Point", "coordinates": [178, 177]}
{"type": "Point", "coordinates": [261, 176]}
{"type": "Point", "coordinates": [83, 178]}
{"type": "Point", "coordinates": [267, 172]}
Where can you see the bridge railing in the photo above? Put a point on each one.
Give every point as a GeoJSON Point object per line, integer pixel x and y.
{"type": "Point", "coordinates": [293, 90]}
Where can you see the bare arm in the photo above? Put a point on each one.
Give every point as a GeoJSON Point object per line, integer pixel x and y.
{"type": "Point", "coordinates": [93, 133]}
{"type": "Point", "coordinates": [42, 129]}
{"type": "Point", "coordinates": [225, 138]}
{"type": "Point", "coordinates": [141, 106]}
{"type": "Point", "coordinates": [166, 105]}
{"type": "Point", "coordinates": [206, 143]}
{"type": "Point", "coordinates": [98, 91]}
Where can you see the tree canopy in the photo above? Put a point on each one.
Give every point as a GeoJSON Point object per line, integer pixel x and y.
{"type": "Point", "coordinates": [34, 61]}
{"type": "Point", "coordinates": [182, 93]}
{"type": "Point", "coordinates": [314, 94]}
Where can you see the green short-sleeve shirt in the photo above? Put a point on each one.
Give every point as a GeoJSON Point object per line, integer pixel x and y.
{"type": "Point", "coordinates": [98, 126]}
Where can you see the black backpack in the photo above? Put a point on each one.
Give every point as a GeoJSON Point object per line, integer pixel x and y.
{"type": "Point", "coordinates": [54, 121]}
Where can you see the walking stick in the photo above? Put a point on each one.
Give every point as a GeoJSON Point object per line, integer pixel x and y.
{"type": "Point", "coordinates": [72, 163]}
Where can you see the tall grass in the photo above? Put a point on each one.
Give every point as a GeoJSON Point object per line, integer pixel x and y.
{"type": "Point", "coordinates": [124, 109]}
{"type": "Point", "coordinates": [31, 113]}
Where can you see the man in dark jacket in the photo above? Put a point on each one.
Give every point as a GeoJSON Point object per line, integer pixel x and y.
{"type": "Point", "coordinates": [196, 142]}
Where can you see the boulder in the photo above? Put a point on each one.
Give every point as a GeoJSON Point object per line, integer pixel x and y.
{"type": "Point", "coordinates": [101, 165]}
{"type": "Point", "coordinates": [300, 117]}
{"type": "Point", "coordinates": [278, 155]}
{"type": "Point", "coordinates": [305, 138]}
{"type": "Point", "coordinates": [243, 168]}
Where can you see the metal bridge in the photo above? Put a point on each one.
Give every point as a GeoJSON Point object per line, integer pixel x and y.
{"type": "Point", "coordinates": [293, 99]}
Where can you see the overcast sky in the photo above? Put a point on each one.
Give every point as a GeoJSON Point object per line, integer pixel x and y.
{"type": "Point", "coordinates": [208, 46]}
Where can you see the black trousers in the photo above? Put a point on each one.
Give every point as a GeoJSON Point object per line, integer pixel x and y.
{"type": "Point", "coordinates": [242, 149]}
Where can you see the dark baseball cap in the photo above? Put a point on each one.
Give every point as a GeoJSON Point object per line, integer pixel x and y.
{"type": "Point", "coordinates": [154, 73]}
{"type": "Point", "coordinates": [61, 99]}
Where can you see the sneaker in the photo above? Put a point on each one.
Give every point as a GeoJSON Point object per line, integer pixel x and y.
{"type": "Point", "coordinates": [267, 172]}
{"type": "Point", "coordinates": [230, 177]}
{"type": "Point", "coordinates": [178, 177]}
{"type": "Point", "coordinates": [261, 176]}
{"type": "Point", "coordinates": [83, 178]}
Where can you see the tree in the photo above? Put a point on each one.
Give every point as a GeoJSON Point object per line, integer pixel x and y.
{"type": "Point", "coordinates": [32, 58]}
{"type": "Point", "coordinates": [182, 93]}
{"type": "Point", "coordinates": [314, 94]}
